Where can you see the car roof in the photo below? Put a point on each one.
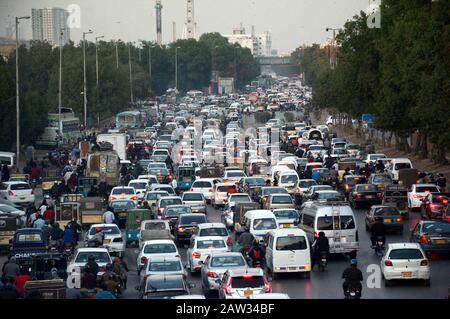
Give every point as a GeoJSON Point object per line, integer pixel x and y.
{"type": "Point", "coordinates": [160, 258]}
{"type": "Point", "coordinates": [86, 249]}
{"type": "Point", "coordinates": [226, 253]}
{"type": "Point", "coordinates": [288, 231]}
{"type": "Point", "coordinates": [237, 272]}
{"type": "Point", "coordinates": [204, 238]}
{"type": "Point", "coordinates": [404, 245]}
{"type": "Point", "coordinates": [15, 183]}
{"type": "Point", "coordinates": [159, 241]}
{"type": "Point", "coordinates": [103, 225]}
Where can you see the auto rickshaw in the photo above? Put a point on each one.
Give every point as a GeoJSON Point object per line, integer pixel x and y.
{"type": "Point", "coordinates": [91, 211]}
{"type": "Point", "coordinates": [47, 185]}
{"type": "Point", "coordinates": [185, 176]}
{"type": "Point", "coordinates": [85, 184]}
{"type": "Point", "coordinates": [66, 212]}
{"type": "Point", "coordinates": [45, 289]}
{"type": "Point", "coordinates": [8, 226]}
{"type": "Point", "coordinates": [133, 223]}
{"type": "Point", "coordinates": [397, 196]}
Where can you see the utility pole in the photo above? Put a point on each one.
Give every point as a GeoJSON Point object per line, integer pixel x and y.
{"type": "Point", "coordinates": [17, 93]}
{"type": "Point", "coordinates": [131, 75]}
{"type": "Point", "coordinates": [84, 77]}
{"type": "Point", "coordinates": [176, 69]}
{"type": "Point", "coordinates": [333, 53]}
{"type": "Point", "coordinates": [150, 64]}
{"type": "Point", "coordinates": [96, 57]}
{"type": "Point", "coordinates": [60, 79]}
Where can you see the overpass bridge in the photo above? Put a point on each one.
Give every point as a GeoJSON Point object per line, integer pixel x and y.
{"type": "Point", "coordinates": [279, 65]}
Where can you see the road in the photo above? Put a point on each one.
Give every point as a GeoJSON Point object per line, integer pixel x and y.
{"type": "Point", "coordinates": [328, 284]}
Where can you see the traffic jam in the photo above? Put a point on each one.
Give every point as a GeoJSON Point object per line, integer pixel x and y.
{"type": "Point", "coordinates": [239, 196]}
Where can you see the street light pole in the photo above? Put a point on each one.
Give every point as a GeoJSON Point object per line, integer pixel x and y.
{"type": "Point", "coordinates": [333, 56]}
{"type": "Point", "coordinates": [96, 58]}
{"type": "Point", "coordinates": [84, 77]}
{"type": "Point", "coordinates": [131, 75]}
{"type": "Point", "coordinates": [60, 79]}
{"type": "Point", "coordinates": [150, 64]}
{"type": "Point", "coordinates": [176, 69]}
{"type": "Point", "coordinates": [17, 93]}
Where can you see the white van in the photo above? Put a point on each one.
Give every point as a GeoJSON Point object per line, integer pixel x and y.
{"type": "Point", "coordinates": [8, 158]}
{"type": "Point", "coordinates": [259, 222]}
{"type": "Point", "coordinates": [276, 169]}
{"type": "Point", "coordinates": [337, 221]}
{"type": "Point", "coordinates": [398, 164]}
{"type": "Point", "coordinates": [289, 180]}
{"type": "Point", "coordinates": [288, 250]}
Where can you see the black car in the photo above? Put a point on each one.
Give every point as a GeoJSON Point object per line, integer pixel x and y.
{"type": "Point", "coordinates": [432, 235]}
{"type": "Point", "coordinates": [172, 212]}
{"type": "Point", "coordinates": [165, 286]}
{"type": "Point", "coordinates": [365, 194]}
{"type": "Point", "coordinates": [185, 226]}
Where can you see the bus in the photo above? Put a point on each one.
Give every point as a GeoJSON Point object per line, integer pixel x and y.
{"type": "Point", "coordinates": [61, 128]}
{"type": "Point", "coordinates": [128, 119]}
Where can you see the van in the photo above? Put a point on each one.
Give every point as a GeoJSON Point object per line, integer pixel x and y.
{"type": "Point", "coordinates": [337, 221]}
{"type": "Point", "coordinates": [259, 222]}
{"type": "Point", "coordinates": [8, 158]}
{"type": "Point", "coordinates": [276, 169]}
{"type": "Point", "coordinates": [289, 180]}
{"type": "Point", "coordinates": [49, 139]}
{"type": "Point", "coordinates": [398, 164]}
{"type": "Point", "coordinates": [288, 250]}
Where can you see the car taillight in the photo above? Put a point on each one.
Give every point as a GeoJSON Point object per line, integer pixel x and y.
{"type": "Point", "coordinates": [180, 229]}
{"type": "Point", "coordinates": [102, 269]}
{"type": "Point", "coordinates": [112, 198]}
{"type": "Point", "coordinates": [212, 274]}
{"type": "Point", "coordinates": [398, 220]}
{"type": "Point", "coordinates": [228, 289]}
{"type": "Point", "coordinates": [424, 263]}
{"type": "Point", "coordinates": [423, 239]}
{"type": "Point", "coordinates": [10, 193]}
{"type": "Point", "coordinates": [388, 263]}
{"type": "Point", "coordinates": [196, 255]}
{"type": "Point", "coordinates": [358, 195]}
{"type": "Point", "coordinates": [315, 235]}
{"type": "Point", "coordinates": [298, 190]}
{"type": "Point", "coordinates": [434, 206]}
{"type": "Point", "coordinates": [416, 196]}
{"type": "Point", "coordinates": [159, 211]}
{"type": "Point", "coordinates": [229, 240]}
{"type": "Point", "coordinates": [134, 197]}
{"type": "Point", "coordinates": [379, 195]}
{"type": "Point", "coordinates": [346, 187]}
{"type": "Point", "coordinates": [144, 260]}
{"type": "Point", "coordinates": [267, 287]}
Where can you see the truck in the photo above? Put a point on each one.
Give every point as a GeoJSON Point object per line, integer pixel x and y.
{"type": "Point", "coordinates": [104, 164]}
{"type": "Point", "coordinates": [118, 140]}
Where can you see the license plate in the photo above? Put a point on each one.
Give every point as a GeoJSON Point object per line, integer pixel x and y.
{"type": "Point", "coordinates": [440, 241]}
{"type": "Point", "coordinates": [105, 241]}
{"type": "Point", "coordinates": [248, 293]}
{"type": "Point", "coordinates": [407, 274]}
{"type": "Point", "coordinates": [292, 268]}
{"type": "Point", "coordinates": [194, 210]}
{"type": "Point", "coordinates": [123, 215]}
{"type": "Point", "coordinates": [387, 221]}
{"type": "Point", "coordinates": [369, 196]}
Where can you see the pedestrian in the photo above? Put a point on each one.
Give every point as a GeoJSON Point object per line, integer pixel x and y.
{"type": "Point", "coordinates": [76, 228]}
{"type": "Point", "coordinates": [46, 229]}
{"type": "Point", "coordinates": [72, 182]}
{"type": "Point", "coordinates": [441, 182]}
{"type": "Point", "coordinates": [43, 206]}
{"type": "Point", "coordinates": [9, 290]}
{"type": "Point", "coordinates": [11, 268]}
{"type": "Point", "coordinates": [5, 173]}
{"type": "Point", "coordinates": [49, 213]}
{"type": "Point", "coordinates": [39, 222]}
{"type": "Point", "coordinates": [174, 185]}
{"type": "Point", "coordinates": [108, 216]}
{"type": "Point", "coordinates": [104, 293]}
{"type": "Point", "coordinates": [21, 279]}
{"type": "Point", "coordinates": [56, 235]}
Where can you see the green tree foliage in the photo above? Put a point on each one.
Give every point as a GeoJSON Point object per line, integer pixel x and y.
{"type": "Point", "coordinates": [399, 72]}
{"type": "Point", "coordinates": [39, 78]}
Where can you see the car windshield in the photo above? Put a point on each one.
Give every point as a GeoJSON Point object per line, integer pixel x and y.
{"type": "Point", "coordinates": [156, 165]}
{"type": "Point", "coordinates": [192, 197]}
{"type": "Point", "coordinates": [155, 196]}
{"type": "Point", "coordinates": [289, 179]}
{"type": "Point", "coordinates": [240, 199]}
{"type": "Point", "coordinates": [125, 191]}
{"type": "Point", "coordinates": [228, 261]}
{"type": "Point", "coordinates": [247, 282]}
{"type": "Point", "coordinates": [286, 214]}
{"type": "Point", "coordinates": [155, 225]}
{"type": "Point", "coordinates": [7, 209]}
{"type": "Point", "coordinates": [194, 219]}
{"type": "Point", "coordinates": [166, 284]}
{"type": "Point", "coordinates": [281, 200]}
{"type": "Point", "coordinates": [405, 253]}
{"type": "Point", "coordinates": [18, 187]}
{"type": "Point", "coordinates": [366, 188]}
{"type": "Point", "coordinates": [163, 266]}
{"type": "Point", "coordinates": [168, 189]}
{"type": "Point", "coordinates": [436, 228]}
{"type": "Point", "coordinates": [225, 189]}
{"type": "Point", "coordinates": [278, 190]}
{"type": "Point", "coordinates": [381, 179]}
{"type": "Point", "coordinates": [235, 174]}
{"type": "Point", "coordinates": [326, 223]}
{"type": "Point", "coordinates": [138, 185]}
{"type": "Point", "coordinates": [386, 211]}
{"type": "Point", "coordinates": [160, 249]}
{"type": "Point", "coordinates": [255, 181]}
{"type": "Point", "coordinates": [202, 184]}
{"type": "Point", "coordinates": [175, 211]}
{"type": "Point", "coordinates": [158, 171]}
{"type": "Point", "coordinates": [291, 243]}
{"type": "Point", "coordinates": [427, 189]}
{"type": "Point", "coordinates": [31, 237]}
{"type": "Point", "coordinates": [399, 166]}
{"type": "Point", "coordinates": [327, 195]}
{"type": "Point", "coordinates": [107, 230]}
{"type": "Point", "coordinates": [353, 180]}
{"type": "Point", "coordinates": [306, 184]}
{"type": "Point", "coordinates": [214, 231]}
{"type": "Point", "coordinates": [100, 257]}
{"type": "Point", "coordinates": [123, 205]}
{"type": "Point", "coordinates": [172, 201]}
{"type": "Point", "coordinates": [264, 224]}
{"type": "Point", "coordinates": [352, 146]}
{"type": "Point", "coordinates": [210, 244]}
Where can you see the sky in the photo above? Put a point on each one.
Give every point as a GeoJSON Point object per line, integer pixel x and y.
{"type": "Point", "coordinates": [291, 22]}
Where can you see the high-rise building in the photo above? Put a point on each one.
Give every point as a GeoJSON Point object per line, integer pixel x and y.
{"type": "Point", "coordinates": [260, 44]}
{"type": "Point", "coordinates": [158, 8]}
{"type": "Point", "coordinates": [190, 25]}
{"type": "Point", "coordinates": [47, 24]}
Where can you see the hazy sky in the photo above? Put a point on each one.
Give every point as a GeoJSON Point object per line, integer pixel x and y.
{"type": "Point", "coordinates": [291, 22]}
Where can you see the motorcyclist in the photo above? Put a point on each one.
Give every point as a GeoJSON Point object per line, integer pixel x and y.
{"type": "Point", "coordinates": [378, 230]}
{"type": "Point", "coordinates": [69, 236]}
{"type": "Point", "coordinates": [93, 266]}
{"type": "Point", "coordinates": [256, 254]}
{"type": "Point", "coordinates": [320, 245]}
{"type": "Point", "coordinates": [110, 279]}
{"type": "Point", "coordinates": [245, 240]}
{"type": "Point", "coordinates": [97, 239]}
{"type": "Point", "coordinates": [352, 277]}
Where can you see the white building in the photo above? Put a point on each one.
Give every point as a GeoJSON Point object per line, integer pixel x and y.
{"type": "Point", "coordinates": [47, 24]}
{"type": "Point", "coordinates": [259, 44]}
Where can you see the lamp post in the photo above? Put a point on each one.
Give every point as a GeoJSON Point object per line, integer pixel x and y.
{"type": "Point", "coordinates": [131, 75]}
{"type": "Point", "coordinates": [96, 57]}
{"type": "Point", "coordinates": [60, 78]}
{"type": "Point", "coordinates": [150, 64]}
{"type": "Point", "coordinates": [176, 69]}
{"type": "Point", "coordinates": [17, 92]}
{"type": "Point", "coordinates": [333, 57]}
{"type": "Point", "coordinates": [84, 77]}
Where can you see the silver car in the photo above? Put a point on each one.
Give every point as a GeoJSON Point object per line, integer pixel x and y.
{"type": "Point", "coordinates": [215, 266]}
{"type": "Point", "coordinates": [196, 201]}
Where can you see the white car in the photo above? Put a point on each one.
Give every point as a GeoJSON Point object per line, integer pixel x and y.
{"type": "Point", "coordinates": [151, 178]}
{"type": "Point", "coordinates": [155, 248]}
{"type": "Point", "coordinates": [213, 229]}
{"type": "Point", "coordinates": [205, 186]}
{"type": "Point", "coordinates": [21, 216]}
{"type": "Point", "coordinates": [156, 165]}
{"type": "Point", "coordinates": [81, 256]}
{"type": "Point", "coordinates": [163, 265]}
{"type": "Point", "coordinates": [123, 192]}
{"type": "Point", "coordinates": [405, 261]}
{"type": "Point", "coordinates": [140, 186]}
{"type": "Point", "coordinates": [113, 240]}
{"type": "Point", "coordinates": [374, 157]}
{"type": "Point", "coordinates": [418, 192]}
{"type": "Point", "coordinates": [234, 175]}
{"type": "Point", "coordinates": [17, 192]}
{"type": "Point", "coordinates": [202, 247]}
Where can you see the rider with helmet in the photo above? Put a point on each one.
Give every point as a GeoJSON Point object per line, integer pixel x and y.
{"type": "Point", "coordinates": [378, 230]}
{"type": "Point", "coordinates": [320, 245]}
{"type": "Point", "coordinates": [110, 279]}
{"type": "Point", "coordinates": [256, 254]}
{"type": "Point", "coordinates": [97, 239]}
{"type": "Point", "coordinates": [352, 277]}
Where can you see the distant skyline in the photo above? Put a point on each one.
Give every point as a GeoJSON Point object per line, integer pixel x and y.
{"type": "Point", "coordinates": [291, 22]}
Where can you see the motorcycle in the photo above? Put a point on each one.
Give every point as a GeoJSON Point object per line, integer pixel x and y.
{"type": "Point", "coordinates": [227, 219]}
{"type": "Point", "coordinates": [323, 260]}
{"type": "Point", "coordinates": [379, 246]}
{"type": "Point", "coordinates": [352, 292]}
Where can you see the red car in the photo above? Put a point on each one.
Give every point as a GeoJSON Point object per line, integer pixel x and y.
{"type": "Point", "coordinates": [434, 205]}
